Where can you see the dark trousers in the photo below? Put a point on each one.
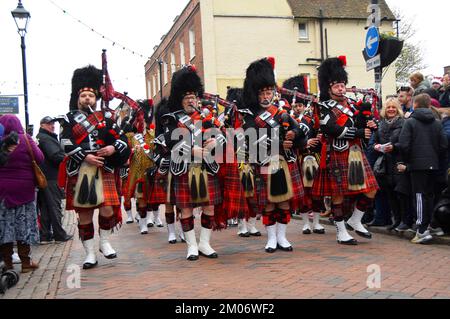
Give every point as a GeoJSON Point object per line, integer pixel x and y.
{"type": "Point", "coordinates": [405, 206]}
{"type": "Point", "coordinates": [49, 204]}
{"type": "Point", "coordinates": [422, 183]}
{"type": "Point", "coordinates": [382, 209]}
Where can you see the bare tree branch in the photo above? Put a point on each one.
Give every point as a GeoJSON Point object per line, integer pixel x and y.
{"type": "Point", "coordinates": [412, 57]}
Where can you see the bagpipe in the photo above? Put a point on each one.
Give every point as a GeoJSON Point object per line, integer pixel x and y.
{"type": "Point", "coordinates": [370, 96]}
{"type": "Point", "coordinates": [312, 108]}
{"type": "Point", "coordinates": [112, 134]}
{"type": "Point", "coordinates": [225, 119]}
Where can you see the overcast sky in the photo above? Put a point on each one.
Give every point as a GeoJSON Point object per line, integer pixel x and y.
{"type": "Point", "coordinates": [57, 44]}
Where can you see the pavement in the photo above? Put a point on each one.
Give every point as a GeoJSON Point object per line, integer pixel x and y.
{"type": "Point", "coordinates": [386, 267]}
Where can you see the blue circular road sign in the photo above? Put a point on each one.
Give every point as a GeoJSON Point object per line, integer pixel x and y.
{"type": "Point", "coordinates": [372, 41]}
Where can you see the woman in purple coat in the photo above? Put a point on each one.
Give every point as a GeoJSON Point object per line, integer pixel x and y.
{"type": "Point", "coordinates": [18, 218]}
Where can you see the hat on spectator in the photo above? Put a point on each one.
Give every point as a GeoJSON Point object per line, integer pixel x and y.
{"type": "Point", "coordinates": [48, 119]}
{"type": "Point", "coordinates": [436, 81]}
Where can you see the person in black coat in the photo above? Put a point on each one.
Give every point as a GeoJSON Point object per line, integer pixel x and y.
{"type": "Point", "coordinates": [444, 98]}
{"type": "Point", "coordinates": [386, 148]}
{"type": "Point", "coordinates": [423, 145]}
{"type": "Point", "coordinates": [50, 198]}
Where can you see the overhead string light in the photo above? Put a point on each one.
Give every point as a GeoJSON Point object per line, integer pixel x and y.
{"type": "Point", "coordinates": [113, 42]}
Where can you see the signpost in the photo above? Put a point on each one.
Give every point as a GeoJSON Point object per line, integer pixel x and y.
{"type": "Point", "coordinates": [372, 45]}
{"type": "Point", "coordinates": [372, 41]}
{"type": "Point", "coordinates": [9, 105]}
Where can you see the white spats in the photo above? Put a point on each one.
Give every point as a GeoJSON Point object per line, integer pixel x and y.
{"type": "Point", "coordinates": [317, 227]}
{"type": "Point", "coordinates": [251, 226]}
{"type": "Point", "coordinates": [204, 246]}
{"type": "Point", "coordinates": [105, 246]}
{"type": "Point", "coordinates": [342, 235]}
{"type": "Point", "coordinates": [282, 241]}
{"type": "Point", "coordinates": [271, 238]}
{"type": "Point", "coordinates": [143, 228]}
{"type": "Point", "coordinates": [129, 217]}
{"type": "Point", "coordinates": [172, 234]}
{"type": "Point", "coordinates": [156, 220]}
{"type": "Point", "coordinates": [242, 228]}
{"type": "Point", "coordinates": [355, 223]}
{"type": "Point", "coordinates": [89, 248]}
{"type": "Point", "coordinates": [306, 224]}
{"type": "Point", "coordinates": [191, 242]}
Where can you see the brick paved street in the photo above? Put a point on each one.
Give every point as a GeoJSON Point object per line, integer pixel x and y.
{"type": "Point", "coordinates": [148, 267]}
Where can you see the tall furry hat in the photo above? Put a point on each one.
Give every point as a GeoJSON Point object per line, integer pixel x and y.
{"type": "Point", "coordinates": [85, 79]}
{"type": "Point", "coordinates": [162, 108]}
{"type": "Point", "coordinates": [298, 82]}
{"type": "Point", "coordinates": [184, 81]}
{"type": "Point", "coordinates": [147, 108]}
{"type": "Point", "coordinates": [235, 95]}
{"type": "Point", "coordinates": [331, 71]}
{"type": "Point", "coordinates": [260, 74]}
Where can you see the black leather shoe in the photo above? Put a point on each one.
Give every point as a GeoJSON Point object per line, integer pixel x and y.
{"type": "Point", "coordinates": [192, 258]}
{"type": "Point", "coordinates": [67, 238]}
{"type": "Point", "coordinates": [376, 224]}
{"type": "Point", "coordinates": [212, 256]}
{"type": "Point", "coordinates": [247, 234]}
{"type": "Point", "coordinates": [366, 235]}
{"type": "Point", "coordinates": [307, 232]}
{"type": "Point", "coordinates": [271, 250]}
{"type": "Point", "coordinates": [257, 234]}
{"type": "Point", "coordinates": [285, 248]}
{"type": "Point", "coordinates": [172, 241]}
{"type": "Point", "coordinates": [351, 242]}
{"type": "Point", "coordinates": [393, 226]}
{"type": "Point", "coordinates": [150, 225]}
{"type": "Point", "coordinates": [319, 231]}
{"type": "Point", "coordinates": [112, 256]}
{"type": "Point", "coordinates": [89, 265]}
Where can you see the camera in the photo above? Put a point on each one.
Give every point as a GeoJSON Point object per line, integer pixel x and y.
{"type": "Point", "coordinates": [8, 278]}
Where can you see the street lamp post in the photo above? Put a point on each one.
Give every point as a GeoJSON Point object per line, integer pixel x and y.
{"type": "Point", "coordinates": [21, 17]}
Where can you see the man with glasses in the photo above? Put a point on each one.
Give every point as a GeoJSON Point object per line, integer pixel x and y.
{"type": "Point", "coordinates": [278, 172]}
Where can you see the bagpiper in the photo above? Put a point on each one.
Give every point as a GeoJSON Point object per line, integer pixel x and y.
{"type": "Point", "coordinates": [240, 197]}
{"type": "Point", "coordinates": [158, 176]}
{"type": "Point", "coordinates": [94, 149]}
{"type": "Point", "coordinates": [140, 141]}
{"type": "Point", "coordinates": [344, 170]}
{"type": "Point", "coordinates": [193, 180]}
{"type": "Point", "coordinates": [308, 157]}
{"type": "Point", "coordinates": [277, 137]}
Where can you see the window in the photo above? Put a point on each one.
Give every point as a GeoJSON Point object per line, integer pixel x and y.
{"type": "Point", "coordinates": [173, 65]}
{"type": "Point", "coordinates": [165, 73]}
{"type": "Point", "coordinates": [303, 31]}
{"type": "Point", "coordinates": [154, 85]}
{"type": "Point", "coordinates": [191, 44]}
{"type": "Point", "coordinates": [182, 54]}
{"type": "Point", "coordinates": [158, 82]}
{"type": "Point", "coordinates": [149, 88]}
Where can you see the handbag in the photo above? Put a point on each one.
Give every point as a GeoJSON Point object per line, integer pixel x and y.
{"type": "Point", "coordinates": [41, 180]}
{"type": "Point", "coordinates": [379, 168]}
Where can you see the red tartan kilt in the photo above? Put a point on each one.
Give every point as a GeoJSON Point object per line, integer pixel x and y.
{"type": "Point", "coordinates": [326, 184]}
{"type": "Point", "coordinates": [123, 186]}
{"type": "Point", "coordinates": [234, 201]}
{"type": "Point", "coordinates": [180, 194]}
{"type": "Point", "coordinates": [297, 189]}
{"type": "Point", "coordinates": [110, 191]}
{"type": "Point", "coordinates": [157, 193]}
